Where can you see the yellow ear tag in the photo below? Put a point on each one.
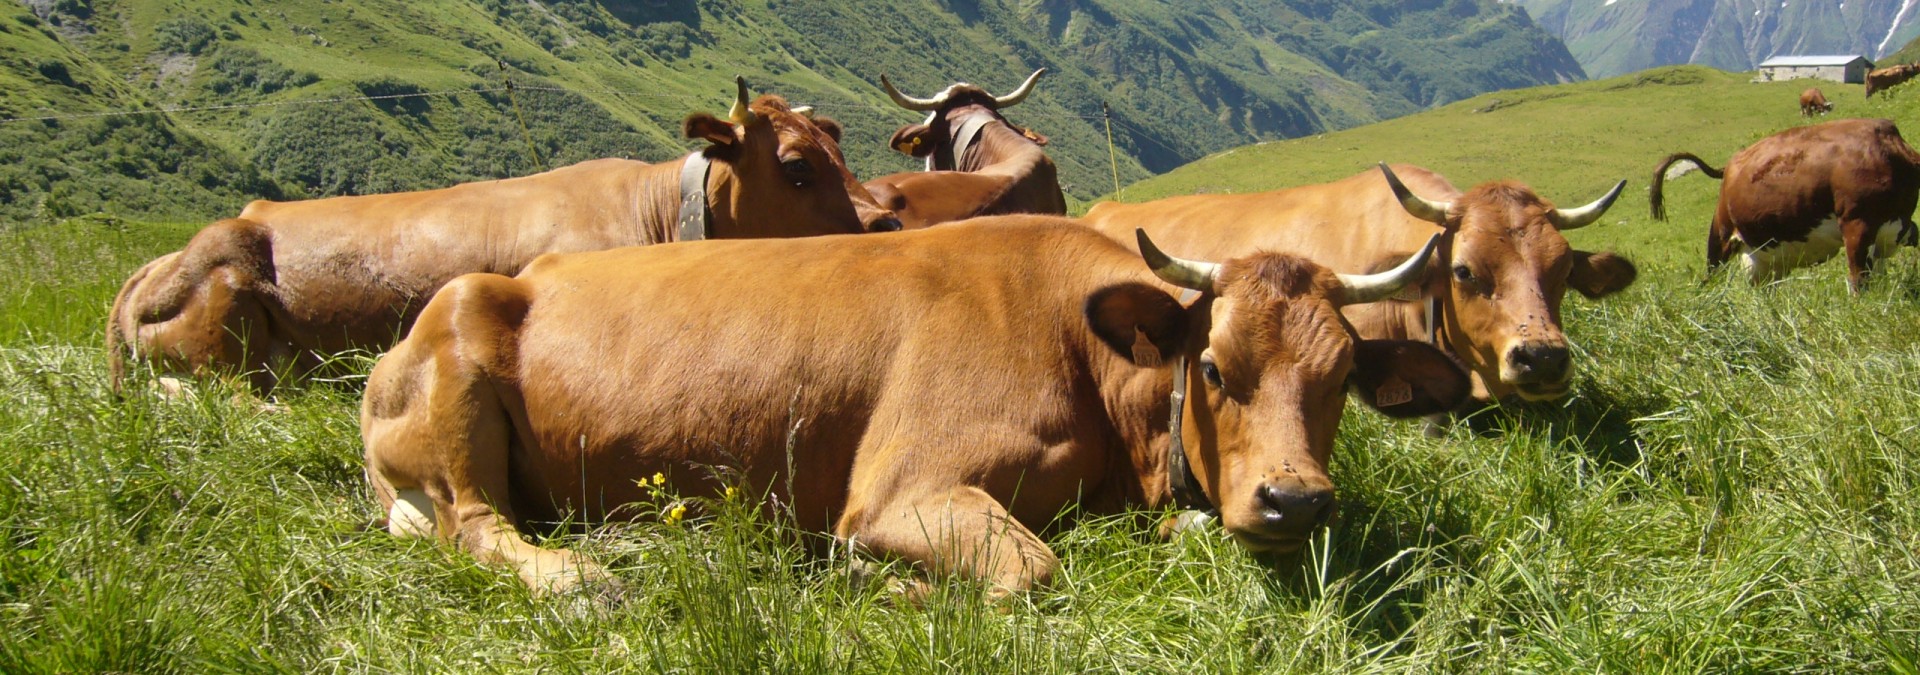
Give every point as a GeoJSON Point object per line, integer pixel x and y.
{"type": "Point", "coordinates": [1144, 352]}
{"type": "Point", "coordinates": [1394, 391]}
{"type": "Point", "coordinates": [916, 141]}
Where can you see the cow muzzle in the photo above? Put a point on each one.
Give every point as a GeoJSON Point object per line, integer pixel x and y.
{"type": "Point", "coordinates": [1284, 514]}
{"type": "Point", "coordinates": [1539, 371]}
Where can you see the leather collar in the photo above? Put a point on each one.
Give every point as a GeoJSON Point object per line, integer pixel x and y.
{"type": "Point", "coordinates": [963, 138]}
{"type": "Point", "coordinates": [1180, 479]}
{"type": "Point", "coordinates": [695, 221]}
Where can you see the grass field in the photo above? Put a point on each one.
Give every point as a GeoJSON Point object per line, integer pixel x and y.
{"type": "Point", "coordinates": [1734, 485]}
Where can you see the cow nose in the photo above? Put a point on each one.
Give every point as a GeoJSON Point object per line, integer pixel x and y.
{"type": "Point", "coordinates": [1299, 506]}
{"type": "Point", "coordinates": [1540, 362]}
{"type": "Point", "coordinates": [887, 224]}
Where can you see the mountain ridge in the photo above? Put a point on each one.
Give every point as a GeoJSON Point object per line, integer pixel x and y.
{"type": "Point", "coordinates": [1616, 37]}
{"type": "Point", "coordinates": [615, 77]}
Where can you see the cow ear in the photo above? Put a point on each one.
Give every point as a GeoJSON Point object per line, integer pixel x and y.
{"type": "Point", "coordinates": [829, 126]}
{"type": "Point", "coordinates": [913, 139]}
{"type": "Point", "coordinates": [1144, 324]}
{"type": "Point", "coordinates": [1035, 137]}
{"type": "Point", "coordinates": [1598, 275]}
{"type": "Point", "coordinates": [711, 129]}
{"type": "Point", "coordinates": [1404, 378]}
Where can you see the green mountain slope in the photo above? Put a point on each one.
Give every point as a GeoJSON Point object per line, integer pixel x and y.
{"type": "Point", "coordinates": [614, 78]}
{"type": "Point", "coordinates": [1621, 36]}
{"type": "Point", "coordinates": [1907, 54]}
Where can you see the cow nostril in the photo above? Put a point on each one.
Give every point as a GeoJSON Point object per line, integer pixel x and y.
{"type": "Point", "coordinates": [1282, 505]}
{"type": "Point", "coordinates": [886, 225]}
{"type": "Point", "coordinates": [1546, 361]}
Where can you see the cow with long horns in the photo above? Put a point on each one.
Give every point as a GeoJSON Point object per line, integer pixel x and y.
{"type": "Point", "coordinates": [978, 163]}
{"type": "Point", "coordinates": [1492, 297]}
{"type": "Point", "coordinates": [937, 396]}
{"type": "Point", "coordinates": [1799, 196]}
{"type": "Point", "coordinates": [286, 284]}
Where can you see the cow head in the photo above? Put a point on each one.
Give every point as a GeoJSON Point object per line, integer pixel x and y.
{"type": "Point", "coordinates": [778, 172]}
{"type": "Point", "coordinates": [1507, 267]}
{"type": "Point", "coordinates": [1267, 360]}
{"type": "Point", "coordinates": [947, 111]}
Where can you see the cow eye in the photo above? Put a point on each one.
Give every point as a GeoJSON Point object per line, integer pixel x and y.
{"type": "Point", "coordinates": [1462, 274]}
{"type": "Point", "coordinates": [1212, 372]}
{"type": "Point", "coordinates": [798, 171]}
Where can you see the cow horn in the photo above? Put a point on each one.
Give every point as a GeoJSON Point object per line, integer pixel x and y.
{"type": "Point", "coordinates": [1365, 288]}
{"type": "Point", "coordinates": [1435, 212]}
{"type": "Point", "coordinates": [1019, 94]}
{"type": "Point", "coordinates": [909, 102]}
{"type": "Point", "coordinates": [804, 111]}
{"type": "Point", "coordinates": [1571, 219]}
{"type": "Point", "coordinates": [740, 114]}
{"type": "Point", "coordinates": [1198, 276]}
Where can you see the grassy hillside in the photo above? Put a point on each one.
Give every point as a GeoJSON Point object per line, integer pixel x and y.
{"type": "Point", "coordinates": [614, 78]}
{"type": "Point", "coordinates": [1733, 486]}
{"type": "Point", "coordinates": [1907, 54]}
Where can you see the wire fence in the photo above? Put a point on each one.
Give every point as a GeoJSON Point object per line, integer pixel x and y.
{"type": "Point", "coordinates": [1136, 132]}
{"type": "Point", "coordinates": [1133, 132]}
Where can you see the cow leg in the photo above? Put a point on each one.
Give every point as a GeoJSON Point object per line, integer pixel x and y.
{"type": "Point", "coordinates": [1857, 239]}
{"type": "Point", "coordinates": [1719, 248]}
{"type": "Point", "coordinates": [962, 531]}
{"type": "Point", "coordinates": [201, 311]}
{"type": "Point", "coordinates": [438, 435]}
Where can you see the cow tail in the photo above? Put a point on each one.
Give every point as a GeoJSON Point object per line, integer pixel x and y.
{"type": "Point", "coordinates": [1656, 196]}
{"type": "Point", "coordinates": [117, 319]}
{"type": "Point", "coordinates": [116, 337]}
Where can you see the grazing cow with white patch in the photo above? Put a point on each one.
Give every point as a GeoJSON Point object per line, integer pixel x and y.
{"type": "Point", "coordinates": [1813, 101]}
{"type": "Point", "coordinates": [1799, 196]}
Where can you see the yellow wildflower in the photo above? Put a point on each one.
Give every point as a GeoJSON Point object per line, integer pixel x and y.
{"type": "Point", "coordinates": [731, 491]}
{"type": "Point", "coordinates": [659, 478]}
{"type": "Point", "coordinates": [675, 514]}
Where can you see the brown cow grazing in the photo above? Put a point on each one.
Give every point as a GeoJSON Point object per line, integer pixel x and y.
{"type": "Point", "coordinates": [978, 163]}
{"type": "Point", "coordinates": [287, 283]}
{"type": "Point", "coordinates": [1492, 297]}
{"type": "Point", "coordinates": [938, 395]}
{"type": "Point", "coordinates": [1885, 78]}
{"type": "Point", "coordinates": [1797, 197]}
{"type": "Point", "coordinates": [1812, 101]}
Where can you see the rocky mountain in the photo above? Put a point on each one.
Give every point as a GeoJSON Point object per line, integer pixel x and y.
{"type": "Point", "coordinates": [1613, 37]}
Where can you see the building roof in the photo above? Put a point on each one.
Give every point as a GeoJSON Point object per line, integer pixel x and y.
{"type": "Point", "coordinates": [1836, 60]}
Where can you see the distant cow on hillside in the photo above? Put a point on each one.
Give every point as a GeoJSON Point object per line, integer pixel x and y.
{"type": "Point", "coordinates": [1797, 197]}
{"type": "Point", "coordinates": [1885, 78]}
{"type": "Point", "coordinates": [1812, 101]}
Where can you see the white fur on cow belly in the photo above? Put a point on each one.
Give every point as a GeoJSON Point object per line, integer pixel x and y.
{"type": "Point", "coordinates": [1777, 260]}
{"type": "Point", "coordinates": [1822, 243]}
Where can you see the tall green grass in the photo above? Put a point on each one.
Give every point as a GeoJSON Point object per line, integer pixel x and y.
{"type": "Point", "coordinates": [1734, 486]}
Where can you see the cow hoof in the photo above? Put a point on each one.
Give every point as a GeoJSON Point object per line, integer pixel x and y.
{"type": "Point", "coordinates": [1184, 522]}
{"type": "Point", "coordinates": [172, 388]}
{"type": "Point", "coordinates": [577, 578]}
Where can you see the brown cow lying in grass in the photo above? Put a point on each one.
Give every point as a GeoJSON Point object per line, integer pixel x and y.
{"type": "Point", "coordinates": [937, 396]}
{"type": "Point", "coordinates": [1492, 297]}
{"type": "Point", "coordinates": [284, 285]}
